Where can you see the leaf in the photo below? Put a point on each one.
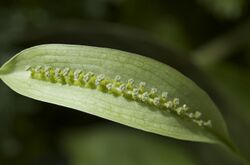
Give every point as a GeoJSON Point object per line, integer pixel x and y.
{"type": "Point", "coordinates": [225, 9]}
{"type": "Point", "coordinates": [118, 86]}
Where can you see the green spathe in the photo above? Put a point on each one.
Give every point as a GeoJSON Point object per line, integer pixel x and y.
{"type": "Point", "coordinates": [119, 109]}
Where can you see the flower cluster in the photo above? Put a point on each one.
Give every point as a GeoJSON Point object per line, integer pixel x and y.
{"type": "Point", "coordinates": [128, 89]}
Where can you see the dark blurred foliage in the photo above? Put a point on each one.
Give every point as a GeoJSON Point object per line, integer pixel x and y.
{"type": "Point", "coordinates": [207, 40]}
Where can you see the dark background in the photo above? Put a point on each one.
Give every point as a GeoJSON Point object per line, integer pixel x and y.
{"type": "Point", "coordinates": [207, 40]}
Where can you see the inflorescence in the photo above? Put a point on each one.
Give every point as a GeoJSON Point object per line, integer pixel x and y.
{"type": "Point", "coordinates": [128, 89]}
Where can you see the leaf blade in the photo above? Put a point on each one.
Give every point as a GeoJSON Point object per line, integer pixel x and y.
{"type": "Point", "coordinates": [118, 109]}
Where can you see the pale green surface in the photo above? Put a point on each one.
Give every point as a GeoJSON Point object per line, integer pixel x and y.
{"type": "Point", "coordinates": [112, 62]}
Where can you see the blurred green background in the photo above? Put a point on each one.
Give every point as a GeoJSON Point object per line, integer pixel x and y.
{"type": "Point", "coordinates": [207, 40]}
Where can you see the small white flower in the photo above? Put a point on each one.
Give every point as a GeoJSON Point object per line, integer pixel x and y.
{"type": "Point", "coordinates": [156, 101]}
{"type": "Point", "coordinates": [117, 78]}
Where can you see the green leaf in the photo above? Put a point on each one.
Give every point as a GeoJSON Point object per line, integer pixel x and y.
{"type": "Point", "coordinates": [225, 9]}
{"type": "Point", "coordinates": [61, 74]}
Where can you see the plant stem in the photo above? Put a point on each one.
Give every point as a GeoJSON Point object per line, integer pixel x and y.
{"type": "Point", "coordinates": [227, 143]}
{"type": "Point", "coordinates": [234, 150]}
